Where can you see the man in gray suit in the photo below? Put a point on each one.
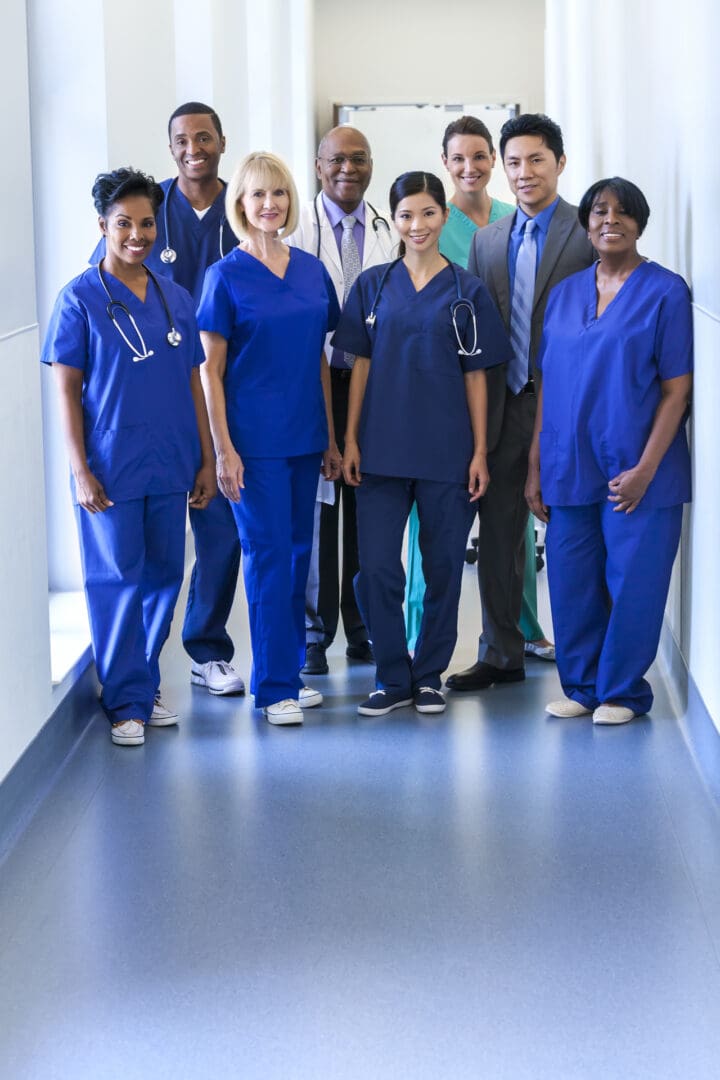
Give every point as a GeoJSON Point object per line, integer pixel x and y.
{"type": "Point", "coordinates": [520, 259]}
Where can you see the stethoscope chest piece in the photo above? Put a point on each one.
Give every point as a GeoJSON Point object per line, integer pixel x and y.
{"type": "Point", "coordinates": [168, 255]}
{"type": "Point", "coordinates": [174, 337]}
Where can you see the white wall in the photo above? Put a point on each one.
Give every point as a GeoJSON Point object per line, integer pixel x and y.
{"type": "Point", "coordinates": [24, 635]}
{"type": "Point", "coordinates": [636, 87]}
{"type": "Point", "coordinates": [92, 86]}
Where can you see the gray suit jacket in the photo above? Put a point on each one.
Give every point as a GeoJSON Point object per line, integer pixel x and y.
{"type": "Point", "coordinates": [567, 250]}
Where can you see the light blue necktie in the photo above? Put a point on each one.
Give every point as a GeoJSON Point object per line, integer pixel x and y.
{"type": "Point", "coordinates": [350, 259]}
{"type": "Point", "coordinates": [521, 310]}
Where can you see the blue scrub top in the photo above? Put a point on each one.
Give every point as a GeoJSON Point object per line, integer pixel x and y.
{"type": "Point", "coordinates": [415, 421]}
{"type": "Point", "coordinates": [275, 329]}
{"type": "Point", "coordinates": [197, 241]}
{"type": "Point", "coordinates": [141, 435]}
{"type": "Point", "coordinates": [601, 385]}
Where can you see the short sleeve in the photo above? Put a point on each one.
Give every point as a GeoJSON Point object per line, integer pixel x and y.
{"type": "Point", "coordinates": [216, 311]}
{"type": "Point", "coordinates": [674, 334]}
{"type": "Point", "coordinates": [549, 311]}
{"type": "Point", "coordinates": [492, 339]}
{"type": "Point", "coordinates": [67, 337]}
{"type": "Point", "coordinates": [333, 306]}
{"type": "Point", "coordinates": [352, 331]}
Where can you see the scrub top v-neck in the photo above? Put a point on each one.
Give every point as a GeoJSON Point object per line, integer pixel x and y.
{"type": "Point", "coordinates": [275, 329]}
{"type": "Point", "coordinates": [602, 384]}
{"type": "Point", "coordinates": [415, 421]}
{"type": "Point", "coordinates": [140, 426]}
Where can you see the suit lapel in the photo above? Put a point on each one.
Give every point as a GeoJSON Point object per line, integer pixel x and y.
{"type": "Point", "coordinates": [561, 226]}
{"type": "Point", "coordinates": [498, 261]}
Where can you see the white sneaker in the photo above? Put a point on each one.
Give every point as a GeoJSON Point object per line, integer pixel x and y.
{"type": "Point", "coordinates": [612, 714]}
{"type": "Point", "coordinates": [566, 708]}
{"type": "Point", "coordinates": [309, 698]}
{"type": "Point", "coordinates": [161, 715]}
{"type": "Point", "coordinates": [218, 677]}
{"type": "Point", "coordinates": [128, 733]}
{"type": "Point", "coordinates": [287, 711]}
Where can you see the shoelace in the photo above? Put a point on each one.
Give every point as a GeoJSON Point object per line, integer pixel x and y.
{"type": "Point", "coordinates": [428, 690]}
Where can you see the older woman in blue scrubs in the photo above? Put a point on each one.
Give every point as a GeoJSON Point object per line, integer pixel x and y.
{"type": "Point", "coordinates": [610, 468]}
{"type": "Point", "coordinates": [423, 332]}
{"type": "Point", "coordinates": [125, 352]}
{"type": "Point", "coordinates": [263, 316]}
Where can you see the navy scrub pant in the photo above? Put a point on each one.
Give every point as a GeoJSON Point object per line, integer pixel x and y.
{"type": "Point", "coordinates": [133, 557]}
{"type": "Point", "coordinates": [609, 575]}
{"type": "Point", "coordinates": [446, 514]}
{"type": "Point", "coordinates": [275, 523]}
{"type": "Point", "coordinates": [213, 582]}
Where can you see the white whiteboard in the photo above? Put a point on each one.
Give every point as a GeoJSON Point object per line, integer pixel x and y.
{"type": "Point", "coordinates": [404, 137]}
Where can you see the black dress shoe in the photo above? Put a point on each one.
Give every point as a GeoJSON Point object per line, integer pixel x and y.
{"type": "Point", "coordinates": [482, 675]}
{"type": "Point", "coordinates": [363, 652]}
{"type": "Point", "coordinates": [315, 660]}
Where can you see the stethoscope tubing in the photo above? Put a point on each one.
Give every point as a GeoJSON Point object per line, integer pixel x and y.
{"type": "Point", "coordinates": [168, 253]}
{"type": "Point", "coordinates": [174, 337]}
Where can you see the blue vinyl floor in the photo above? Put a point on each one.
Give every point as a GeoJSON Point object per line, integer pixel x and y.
{"type": "Point", "coordinates": [489, 894]}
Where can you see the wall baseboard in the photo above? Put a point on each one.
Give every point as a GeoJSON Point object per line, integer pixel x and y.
{"type": "Point", "coordinates": [35, 772]}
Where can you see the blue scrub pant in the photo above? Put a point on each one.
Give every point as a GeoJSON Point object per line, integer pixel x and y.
{"type": "Point", "coordinates": [609, 575]}
{"type": "Point", "coordinates": [213, 582]}
{"type": "Point", "coordinates": [133, 557]}
{"type": "Point", "coordinates": [445, 514]}
{"type": "Point", "coordinates": [275, 523]}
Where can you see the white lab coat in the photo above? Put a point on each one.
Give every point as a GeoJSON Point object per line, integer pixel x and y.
{"type": "Point", "coordinates": [380, 245]}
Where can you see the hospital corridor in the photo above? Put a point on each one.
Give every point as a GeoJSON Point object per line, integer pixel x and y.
{"type": "Point", "coordinates": [253, 824]}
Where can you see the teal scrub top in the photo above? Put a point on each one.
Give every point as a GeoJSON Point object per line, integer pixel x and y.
{"type": "Point", "coordinates": [457, 235]}
{"type": "Point", "coordinates": [602, 385]}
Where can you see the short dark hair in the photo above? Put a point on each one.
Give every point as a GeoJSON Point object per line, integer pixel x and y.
{"type": "Point", "coordinates": [627, 194]}
{"type": "Point", "coordinates": [110, 187]}
{"type": "Point", "coordinates": [413, 183]}
{"type": "Point", "coordinates": [466, 125]}
{"type": "Point", "coordinates": [191, 108]}
{"type": "Point", "coordinates": [533, 124]}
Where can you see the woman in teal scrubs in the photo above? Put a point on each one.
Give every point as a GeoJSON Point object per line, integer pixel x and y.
{"type": "Point", "coordinates": [609, 466]}
{"type": "Point", "coordinates": [469, 156]}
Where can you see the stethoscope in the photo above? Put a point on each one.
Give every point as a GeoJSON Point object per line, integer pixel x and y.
{"type": "Point", "coordinates": [174, 337]}
{"type": "Point", "coordinates": [168, 253]}
{"type": "Point", "coordinates": [376, 222]}
{"type": "Point", "coordinates": [457, 305]}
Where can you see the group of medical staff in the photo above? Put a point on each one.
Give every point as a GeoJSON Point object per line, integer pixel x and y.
{"type": "Point", "coordinates": [272, 360]}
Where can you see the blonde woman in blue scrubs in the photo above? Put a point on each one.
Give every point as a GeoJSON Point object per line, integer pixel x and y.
{"type": "Point", "coordinates": [469, 156]}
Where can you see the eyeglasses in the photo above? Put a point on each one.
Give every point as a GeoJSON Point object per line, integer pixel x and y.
{"type": "Point", "coordinates": [360, 161]}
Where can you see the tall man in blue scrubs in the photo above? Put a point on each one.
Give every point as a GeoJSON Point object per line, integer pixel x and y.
{"type": "Point", "coordinates": [193, 233]}
{"type": "Point", "coordinates": [520, 259]}
{"type": "Point", "coordinates": [347, 234]}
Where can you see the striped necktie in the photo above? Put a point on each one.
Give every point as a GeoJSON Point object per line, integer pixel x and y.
{"type": "Point", "coordinates": [350, 259]}
{"type": "Point", "coordinates": [521, 311]}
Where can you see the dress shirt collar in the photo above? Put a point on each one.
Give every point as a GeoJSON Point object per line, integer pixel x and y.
{"type": "Point", "coordinates": [335, 213]}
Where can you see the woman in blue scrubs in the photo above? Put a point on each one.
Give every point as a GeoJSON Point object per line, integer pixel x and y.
{"type": "Point", "coordinates": [125, 352]}
{"type": "Point", "coordinates": [468, 155]}
{"type": "Point", "coordinates": [263, 316]}
{"type": "Point", "coordinates": [610, 467]}
{"type": "Point", "coordinates": [416, 433]}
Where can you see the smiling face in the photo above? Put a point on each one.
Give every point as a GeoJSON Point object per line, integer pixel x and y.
{"type": "Point", "coordinates": [129, 230]}
{"type": "Point", "coordinates": [469, 163]}
{"type": "Point", "coordinates": [611, 230]}
{"type": "Point", "coordinates": [344, 167]}
{"type": "Point", "coordinates": [265, 204]}
{"type": "Point", "coordinates": [419, 221]}
{"type": "Point", "coordinates": [532, 171]}
{"type": "Point", "coordinates": [196, 147]}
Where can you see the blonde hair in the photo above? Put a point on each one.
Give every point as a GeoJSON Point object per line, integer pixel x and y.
{"type": "Point", "coordinates": [259, 169]}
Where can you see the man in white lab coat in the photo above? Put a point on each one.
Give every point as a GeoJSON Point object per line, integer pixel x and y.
{"type": "Point", "coordinates": [347, 234]}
